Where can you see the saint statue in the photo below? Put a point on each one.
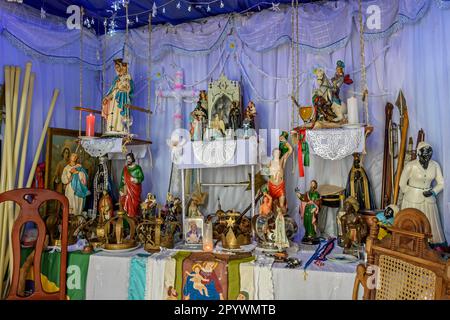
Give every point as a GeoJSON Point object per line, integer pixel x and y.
{"type": "Point", "coordinates": [199, 122]}
{"type": "Point", "coordinates": [218, 125]}
{"type": "Point", "coordinates": [266, 206]}
{"type": "Point", "coordinates": [234, 116]}
{"type": "Point", "coordinates": [416, 184]}
{"type": "Point", "coordinates": [114, 105]}
{"type": "Point", "coordinates": [309, 211]}
{"type": "Point", "coordinates": [130, 186]}
{"type": "Point", "coordinates": [149, 205]}
{"type": "Point", "coordinates": [276, 183]}
{"type": "Point", "coordinates": [281, 240]}
{"type": "Point", "coordinates": [326, 95]}
{"type": "Point", "coordinates": [353, 226]}
{"type": "Point", "coordinates": [386, 220]}
{"type": "Point", "coordinates": [75, 179]}
{"type": "Point", "coordinates": [250, 115]}
{"type": "Point", "coordinates": [105, 207]}
{"type": "Point", "coordinates": [358, 185]}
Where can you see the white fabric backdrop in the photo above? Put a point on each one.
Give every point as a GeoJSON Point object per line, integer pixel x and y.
{"type": "Point", "coordinates": [415, 59]}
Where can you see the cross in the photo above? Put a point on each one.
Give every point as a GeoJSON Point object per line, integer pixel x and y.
{"type": "Point", "coordinates": [178, 93]}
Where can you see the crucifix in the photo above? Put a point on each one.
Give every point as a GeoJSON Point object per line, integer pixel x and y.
{"type": "Point", "coordinates": [178, 93]}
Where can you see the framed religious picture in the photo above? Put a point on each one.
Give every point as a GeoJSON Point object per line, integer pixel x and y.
{"type": "Point", "coordinates": [59, 146]}
{"type": "Point", "coordinates": [193, 231]}
{"type": "Point", "coordinates": [224, 96]}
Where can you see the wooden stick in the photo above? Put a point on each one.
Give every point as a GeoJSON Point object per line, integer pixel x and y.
{"type": "Point", "coordinates": [15, 82]}
{"type": "Point", "coordinates": [41, 140]}
{"type": "Point", "coordinates": [404, 137]}
{"type": "Point", "coordinates": [4, 258]}
{"type": "Point", "coordinates": [21, 119]}
{"type": "Point", "coordinates": [26, 133]}
{"type": "Point", "coordinates": [386, 186]}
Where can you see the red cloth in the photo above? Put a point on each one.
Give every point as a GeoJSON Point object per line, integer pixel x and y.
{"type": "Point", "coordinates": [131, 200]}
{"type": "Point", "coordinates": [276, 191]}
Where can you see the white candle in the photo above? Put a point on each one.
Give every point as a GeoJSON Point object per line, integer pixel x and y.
{"type": "Point", "coordinates": [352, 107]}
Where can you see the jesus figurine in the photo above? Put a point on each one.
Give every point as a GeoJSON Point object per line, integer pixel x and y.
{"type": "Point", "coordinates": [114, 104]}
{"type": "Point", "coordinates": [130, 186]}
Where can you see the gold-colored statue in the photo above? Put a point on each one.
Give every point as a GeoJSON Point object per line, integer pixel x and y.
{"type": "Point", "coordinates": [353, 226]}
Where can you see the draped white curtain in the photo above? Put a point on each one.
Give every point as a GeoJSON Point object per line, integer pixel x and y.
{"type": "Point", "coordinates": [410, 52]}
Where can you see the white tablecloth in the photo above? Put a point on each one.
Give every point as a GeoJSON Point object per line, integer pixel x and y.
{"type": "Point", "coordinates": [108, 278]}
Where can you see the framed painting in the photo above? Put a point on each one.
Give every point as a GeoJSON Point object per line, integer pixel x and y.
{"type": "Point", "coordinates": [60, 144]}
{"type": "Point", "coordinates": [193, 231]}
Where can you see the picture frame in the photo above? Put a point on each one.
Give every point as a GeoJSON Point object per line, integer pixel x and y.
{"type": "Point", "coordinates": [221, 95]}
{"type": "Point", "coordinates": [193, 231]}
{"type": "Point", "coordinates": [60, 143]}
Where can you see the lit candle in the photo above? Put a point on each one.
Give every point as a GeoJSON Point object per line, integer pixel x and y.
{"type": "Point", "coordinates": [352, 110]}
{"type": "Point", "coordinates": [208, 237]}
{"type": "Point", "coordinates": [90, 125]}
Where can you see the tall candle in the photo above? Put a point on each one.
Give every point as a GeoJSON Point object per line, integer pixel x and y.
{"type": "Point", "coordinates": [208, 237]}
{"type": "Point", "coordinates": [90, 125]}
{"type": "Point", "coordinates": [352, 107]}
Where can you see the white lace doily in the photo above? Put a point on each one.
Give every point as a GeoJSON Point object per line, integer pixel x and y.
{"type": "Point", "coordinates": [214, 153]}
{"type": "Point", "coordinates": [101, 146]}
{"type": "Point", "coordinates": [336, 144]}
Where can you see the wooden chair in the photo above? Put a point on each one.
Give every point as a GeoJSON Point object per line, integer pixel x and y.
{"type": "Point", "coordinates": [403, 266]}
{"type": "Point", "coordinates": [29, 201]}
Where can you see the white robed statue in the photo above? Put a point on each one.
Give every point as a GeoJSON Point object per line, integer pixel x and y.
{"type": "Point", "coordinates": [75, 178]}
{"type": "Point", "coordinates": [281, 240]}
{"type": "Point", "coordinates": [416, 184]}
{"type": "Point", "coordinates": [114, 104]}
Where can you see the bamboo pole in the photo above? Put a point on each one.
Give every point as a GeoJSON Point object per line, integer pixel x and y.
{"type": "Point", "coordinates": [15, 82]}
{"type": "Point", "coordinates": [26, 133]}
{"type": "Point", "coordinates": [21, 118]}
{"type": "Point", "coordinates": [41, 140]}
{"type": "Point", "coordinates": [10, 206]}
{"type": "Point", "coordinates": [5, 174]}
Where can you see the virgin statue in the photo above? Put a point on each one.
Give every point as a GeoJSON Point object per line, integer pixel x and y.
{"type": "Point", "coordinates": [281, 240]}
{"type": "Point", "coordinates": [75, 178]}
{"type": "Point", "coordinates": [416, 184]}
{"type": "Point", "coordinates": [114, 104]}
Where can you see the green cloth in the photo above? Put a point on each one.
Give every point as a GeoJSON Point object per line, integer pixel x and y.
{"type": "Point", "coordinates": [77, 269]}
{"type": "Point", "coordinates": [234, 277]}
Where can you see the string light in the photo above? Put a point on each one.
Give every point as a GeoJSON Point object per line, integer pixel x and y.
{"type": "Point", "coordinates": [208, 9]}
{"type": "Point", "coordinates": [137, 19]}
{"type": "Point", "coordinates": [189, 8]}
{"type": "Point", "coordinates": [221, 4]}
{"type": "Point", "coordinates": [178, 5]}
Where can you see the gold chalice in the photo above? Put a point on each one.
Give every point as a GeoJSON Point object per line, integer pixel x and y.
{"type": "Point", "coordinates": [306, 113]}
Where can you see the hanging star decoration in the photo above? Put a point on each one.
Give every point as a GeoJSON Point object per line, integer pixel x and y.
{"type": "Point", "coordinates": [275, 6]}
{"type": "Point", "coordinates": [43, 13]}
{"type": "Point", "coordinates": [154, 10]}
